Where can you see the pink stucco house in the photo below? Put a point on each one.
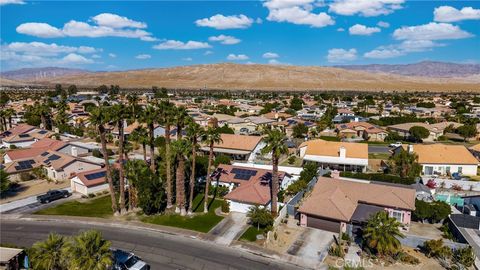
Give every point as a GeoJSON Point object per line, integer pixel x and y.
{"type": "Point", "coordinates": [339, 205]}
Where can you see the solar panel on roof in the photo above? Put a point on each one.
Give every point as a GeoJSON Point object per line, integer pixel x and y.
{"type": "Point", "coordinates": [24, 135]}
{"type": "Point", "coordinates": [25, 164]}
{"type": "Point", "coordinates": [95, 175]}
{"type": "Point", "coordinates": [241, 176]}
{"type": "Point", "coordinates": [243, 171]}
{"type": "Point", "coordinates": [42, 132]}
{"type": "Point", "coordinates": [44, 154]}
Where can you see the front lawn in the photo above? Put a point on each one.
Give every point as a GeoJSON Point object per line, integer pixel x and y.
{"type": "Point", "coordinates": [251, 234]}
{"type": "Point", "coordinates": [199, 222]}
{"type": "Point", "coordinates": [99, 207]}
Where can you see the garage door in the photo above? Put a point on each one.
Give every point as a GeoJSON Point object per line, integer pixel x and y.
{"type": "Point", "coordinates": [323, 224]}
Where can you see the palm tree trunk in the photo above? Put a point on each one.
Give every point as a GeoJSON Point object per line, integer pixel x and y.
{"type": "Point", "coordinates": [168, 167]}
{"type": "Point", "coordinates": [44, 121]}
{"type": "Point", "coordinates": [122, 169]}
{"type": "Point", "coordinates": [10, 122]}
{"type": "Point", "coordinates": [207, 182]}
{"type": "Point", "coordinates": [180, 185]}
{"type": "Point", "coordinates": [101, 130]}
{"type": "Point", "coordinates": [144, 145]}
{"type": "Point", "coordinates": [192, 180]}
{"type": "Point", "coordinates": [152, 147]}
{"type": "Point", "coordinates": [274, 185]}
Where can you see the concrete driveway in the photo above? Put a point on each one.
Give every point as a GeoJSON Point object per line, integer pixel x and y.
{"type": "Point", "coordinates": [312, 245]}
{"type": "Point", "coordinates": [229, 229]}
{"type": "Point", "coordinates": [30, 204]}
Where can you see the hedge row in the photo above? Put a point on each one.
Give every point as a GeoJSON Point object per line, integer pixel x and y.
{"type": "Point", "coordinates": [380, 177]}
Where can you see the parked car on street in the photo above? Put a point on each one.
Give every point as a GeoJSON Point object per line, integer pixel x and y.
{"type": "Point", "coordinates": [124, 260]}
{"type": "Point", "coordinates": [396, 144]}
{"type": "Point", "coordinates": [53, 195]}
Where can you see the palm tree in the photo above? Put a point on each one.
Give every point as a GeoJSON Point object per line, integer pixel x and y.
{"type": "Point", "coordinates": [166, 114]}
{"type": "Point", "coordinates": [194, 132]}
{"type": "Point", "coordinates": [89, 251]}
{"type": "Point", "coordinates": [381, 234]}
{"type": "Point", "coordinates": [134, 170]}
{"type": "Point", "coordinates": [8, 113]}
{"type": "Point", "coordinates": [48, 255]}
{"type": "Point", "coordinates": [275, 144]}
{"type": "Point", "coordinates": [181, 148]}
{"type": "Point", "coordinates": [44, 112]}
{"type": "Point", "coordinates": [117, 115]}
{"type": "Point", "coordinates": [149, 117]}
{"type": "Point", "coordinates": [98, 117]}
{"type": "Point", "coordinates": [3, 122]}
{"type": "Point", "coordinates": [211, 137]}
{"type": "Point", "coordinates": [140, 136]}
{"type": "Point", "coordinates": [133, 103]}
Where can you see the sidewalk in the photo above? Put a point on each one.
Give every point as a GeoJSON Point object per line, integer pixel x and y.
{"type": "Point", "coordinates": [21, 203]}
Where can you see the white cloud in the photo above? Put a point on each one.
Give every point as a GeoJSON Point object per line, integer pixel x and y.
{"type": "Point", "coordinates": [362, 30]}
{"type": "Point", "coordinates": [207, 53]}
{"type": "Point", "coordinates": [96, 56]}
{"type": "Point", "coordinates": [418, 45]}
{"type": "Point", "coordinates": [143, 56]}
{"type": "Point", "coordinates": [235, 57]}
{"type": "Point", "coordinates": [7, 2]}
{"type": "Point", "coordinates": [341, 55]}
{"type": "Point", "coordinates": [367, 8]}
{"type": "Point", "coordinates": [297, 12]}
{"type": "Point", "coordinates": [383, 24]}
{"type": "Point", "coordinates": [42, 30]}
{"type": "Point", "coordinates": [188, 59]}
{"type": "Point", "coordinates": [276, 62]}
{"type": "Point", "coordinates": [451, 14]}
{"type": "Point", "coordinates": [220, 21]}
{"type": "Point", "coordinates": [108, 25]}
{"type": "Point", "coordinates": [340, 29]}
{"type": "Point", "coordinates": [270, 55]}
{"type": "Point", "coordinates": [43, 49]}
{"type": "Point", "coordinates": [112, 55]}
{"type": "Point", "coordinates": [73, 58]}
{"type": "Point", "coordinates": [383, 53]}
{"type": "Point", "coordinates": [226, 40]}
{"type": "Point", "coordinates": [179, 45]}
{"type": "Point", "coordinates": [116, 21]}
{"type": "Point", "coordinates": [430, 31]}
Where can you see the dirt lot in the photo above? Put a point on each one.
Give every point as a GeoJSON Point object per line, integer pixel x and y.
{"type": "Point", "coordinates": [286, 235]}
{"type": "Point", "coordinates": [32, 187]}
{"type": "Point", "coordinates": [425, 230]}
{"type": "Point", "coordinates": [425, 263]}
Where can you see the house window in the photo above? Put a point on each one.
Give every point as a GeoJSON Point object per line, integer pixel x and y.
{"type": "Point", "coordinates": [398, 215]}
{"type": "Point", "coordinates": [460, 169]}
{"type": "Point", "coordinates": [447, 170]}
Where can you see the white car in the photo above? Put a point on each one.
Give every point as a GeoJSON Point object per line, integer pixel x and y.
{"type": "Point", "coordinates": [124, 260]}
{"type": "Point", "coordinates": [396, 144]}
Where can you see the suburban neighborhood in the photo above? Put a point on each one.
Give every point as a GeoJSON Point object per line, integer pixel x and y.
{"type": "Point", "coordinates": [272, 134]}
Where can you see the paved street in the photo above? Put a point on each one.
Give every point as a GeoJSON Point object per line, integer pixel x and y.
{"type": "Point", "coordinates": [373, 148]}
{"type": "Point", "coordinates": [160, 250]}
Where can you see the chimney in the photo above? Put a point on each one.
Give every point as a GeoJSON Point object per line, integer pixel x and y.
{"type": "Point", "coordinates": [74, 151]}
{"type": "Point", "coordinates": [410, 148]}
{"type": "Point", "coordinates": [343, 152]}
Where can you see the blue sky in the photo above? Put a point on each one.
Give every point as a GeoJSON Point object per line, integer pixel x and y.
{"type": "Point", "coordinates": [112, 35]}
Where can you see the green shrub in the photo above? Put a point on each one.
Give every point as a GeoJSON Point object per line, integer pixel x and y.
{"type": "Point", "coordinates": [406, 258]}
{"type": "Point", "coordinates": [464, 256]}
{"type": "Point", "coordinates": [25, 176]}
{"type": "Point", "coordinates": [225, 206]}
{"type": "Point", "coordinates": [336, 251]}
{"type": "Point", "coordinates": [91, 195]}
{"type": "Point", "coordinates": [436, 249]}
{"type": "Point", "coordinates": [380, 177]}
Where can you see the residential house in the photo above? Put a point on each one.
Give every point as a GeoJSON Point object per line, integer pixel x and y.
{"type": "Point", "coordinates": [23, 136]}
{"type": "Point", "coordinates": [343, 206]}
{"type": "Point", "coordinates": [249, 125]}
{"type": "Point", "coordinates": [238, 147]}
{"type": "Point", "coordinates": [248, 186]}
{"type": "Point", "coordinates": [363, 130]}
{"type": "Point", "coordinates": [436, 130]}
{"type": "Point", "coordinates": [89, 182]}
{"type": "Point", "coordinates": [442, 159]}
{"type": "Point", "coordinates": [342, 156]}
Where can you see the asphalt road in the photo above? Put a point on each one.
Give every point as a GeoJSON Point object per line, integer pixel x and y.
{"type": "Point", "coordinates": [373, 148]}
{"type": "Point", "coordinates": [160, 250]}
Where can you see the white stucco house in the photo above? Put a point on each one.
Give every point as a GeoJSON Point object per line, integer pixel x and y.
{"type": "Point", "coordinates": [89, 182]}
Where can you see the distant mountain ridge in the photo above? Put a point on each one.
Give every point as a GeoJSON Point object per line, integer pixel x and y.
{"type": "Point", "coordinates": [230, 76]}
{"type": "Point", "coordinates": [430, 69]}
{"type": "Point", "coordinates": [41, 73]}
